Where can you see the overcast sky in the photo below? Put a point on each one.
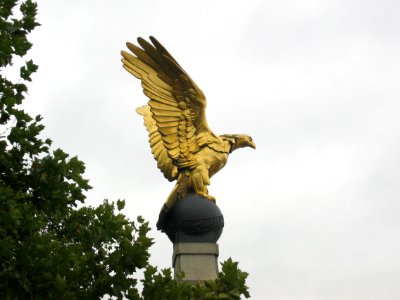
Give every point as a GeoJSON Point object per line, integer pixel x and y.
{"type": "Point", "coordinates": [313, 213]}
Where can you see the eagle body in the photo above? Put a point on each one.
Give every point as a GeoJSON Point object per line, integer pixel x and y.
{"type": "Point", "coordinates": [214, 160]}
{"type": "Point", "coordinates": [185, 148]}
{"type": "Point", "coordinates": [208, 162]}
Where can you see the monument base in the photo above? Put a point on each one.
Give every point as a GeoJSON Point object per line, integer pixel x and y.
{"type": "Point", "coordinates": [199, 261]}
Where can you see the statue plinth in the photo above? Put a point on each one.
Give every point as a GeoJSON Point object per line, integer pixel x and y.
{"type": "Point", "coordinates": [194, 226]}
{"type": "Point", "coordinates": [199, 261]}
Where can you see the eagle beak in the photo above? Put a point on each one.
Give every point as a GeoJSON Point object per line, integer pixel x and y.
{"type": "Point", "coordinates": [252, 145]}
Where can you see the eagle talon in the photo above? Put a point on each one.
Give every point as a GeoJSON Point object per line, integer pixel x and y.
{"type": "Point", "coordinates": [209, 197]}
{"type": "Point", "coordinates": [212, 198]}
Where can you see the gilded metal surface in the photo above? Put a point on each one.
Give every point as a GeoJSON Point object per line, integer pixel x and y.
{"type": "Point", "coordinates": [183, 145]}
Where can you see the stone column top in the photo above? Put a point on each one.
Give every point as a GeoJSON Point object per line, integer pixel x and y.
{"type": "Point", "coordinates": [194, 249]}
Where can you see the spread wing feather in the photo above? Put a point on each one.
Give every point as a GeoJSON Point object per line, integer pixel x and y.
{"type": "Point", "coordinates": [175, 115]}
{"type": "Point", "coordinates": [164, 163]}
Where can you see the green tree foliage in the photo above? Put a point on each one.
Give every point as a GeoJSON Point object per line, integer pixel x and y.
{"type": "Point", "coordinates": [50, 249]}
{"type": "Point", "coordinates": [230, 285]}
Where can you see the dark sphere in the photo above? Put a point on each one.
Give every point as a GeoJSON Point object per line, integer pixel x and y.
{"type": "Point", "coordinates": [194, 219]}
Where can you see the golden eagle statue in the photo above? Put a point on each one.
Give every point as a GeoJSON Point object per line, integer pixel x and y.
{"type": "Point", "coordinates": [183, 145]}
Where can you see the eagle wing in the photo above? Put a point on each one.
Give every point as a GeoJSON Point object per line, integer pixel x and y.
{"type": "Point", "coordinates": [164, 163]}
{"type": "Point", "coordinates": [176, 109]}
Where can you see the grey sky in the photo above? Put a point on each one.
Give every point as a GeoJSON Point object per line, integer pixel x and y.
{"type": "Point", "coordinates": [313, 212]}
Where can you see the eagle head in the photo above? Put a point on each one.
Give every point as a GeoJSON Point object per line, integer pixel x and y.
{"type": "Point", "coordinates": [238, 141]}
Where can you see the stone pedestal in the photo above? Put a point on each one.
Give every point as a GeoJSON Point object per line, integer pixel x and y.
{"type": "Point", "coordinates": [194, 226]}
{"type": "Point", "coordinates": [199, 261]}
